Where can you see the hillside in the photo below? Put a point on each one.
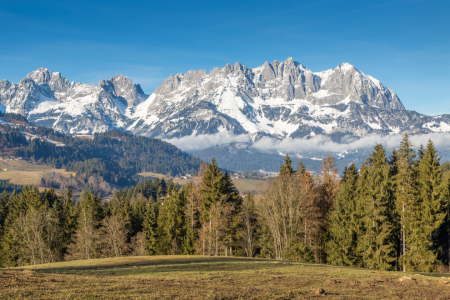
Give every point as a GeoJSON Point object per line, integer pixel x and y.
{"type": "Point", "coordinates": [115, 156]}
{"type": "Point", "coordinates": [200, 277]}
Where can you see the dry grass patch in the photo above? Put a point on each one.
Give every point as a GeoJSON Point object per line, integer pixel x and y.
{"type": "Point", "coordinates": [198, 277]}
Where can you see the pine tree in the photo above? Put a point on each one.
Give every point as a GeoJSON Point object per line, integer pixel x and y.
{"type": "Point", "coordinates": [444, 232]}
{"type": "Point", "coordinates": [170, 228]}
{"type": "Point", "coordinates": [406, 198]}
{"type": "Point", "coordinates": [341, 247]}
{"type": "Point", "coordinates": [301, 169]}
{"type": "Point", "coordinates": [377, 242]}
{"type": "Point", "coordinates": [220, 206]}
{"type": "Point", "coordinates": [68, 216]}
{"type": "Point", "coordinates": [149, 229]}
{"type": "Point", "coordinates": [430, 214]}
{"type": "Point", "coordinates": [286, 168]}
{"type": "Point", "coordinates": [191, 196]}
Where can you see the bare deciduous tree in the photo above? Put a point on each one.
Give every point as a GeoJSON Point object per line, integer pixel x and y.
{"type": "Point", "coordinates": [114, 234]}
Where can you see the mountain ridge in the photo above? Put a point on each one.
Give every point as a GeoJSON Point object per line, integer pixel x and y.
{"type": "Point", "coordinates": [278, 100]}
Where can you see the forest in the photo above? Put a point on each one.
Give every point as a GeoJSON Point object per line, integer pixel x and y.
{"type": "Point", "coordinates": [116, 156]}
{"type": "Point", "coordinates": [392, 213]}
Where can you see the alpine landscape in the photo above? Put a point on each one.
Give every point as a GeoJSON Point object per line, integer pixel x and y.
{"type": "Point", "coordinates": [137, 161]}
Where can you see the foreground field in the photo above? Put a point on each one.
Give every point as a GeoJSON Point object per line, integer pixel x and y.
{"type": "Point", "coordinates": [197, 277]}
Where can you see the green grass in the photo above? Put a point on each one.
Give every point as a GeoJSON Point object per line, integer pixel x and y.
{"type": "Point", "coordinates": [199, 277]}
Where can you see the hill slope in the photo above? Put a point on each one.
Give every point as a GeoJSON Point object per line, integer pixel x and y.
{"type": "Point", "coordinates": [115, 155]}
{"type": "Point", "coordinates": [197, 277]}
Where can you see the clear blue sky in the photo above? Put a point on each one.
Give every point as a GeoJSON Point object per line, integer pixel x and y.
{"type": "Point", "coordinates": [405, 44]}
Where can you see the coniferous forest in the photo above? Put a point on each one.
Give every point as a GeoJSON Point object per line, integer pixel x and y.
{"type": "Point", "coordinates": [116, 156]}
{"type": "Point", "coordinates": [391, 213]}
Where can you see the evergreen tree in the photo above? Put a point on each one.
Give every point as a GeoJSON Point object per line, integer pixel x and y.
{"type": "Point", "coordinates": [171, 223]}
{"type": "Point", "coordinates": [343, 222]}
{"type": "Point", "coordinates": [406, 198]}
{"type": "Point", "coordinates": [301, 169]}
{"type": "Point", "coordinates": [443, 235]}
{"type": "Point", "coordinates": [191, 195]}
{"type": "Point", "coordinates": [430, 213]}
{"type": "Point", "coordinates": [149, 229]}
{"type": "Point", "coordinates": [377, 242]}
{"type": "Point", "coordinates": [68, 216]}
{"type": "Point", "coordinates": [286, 168]}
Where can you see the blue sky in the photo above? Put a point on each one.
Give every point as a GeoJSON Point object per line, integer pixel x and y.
{"type": "Point", "coordinates": [405, 44]}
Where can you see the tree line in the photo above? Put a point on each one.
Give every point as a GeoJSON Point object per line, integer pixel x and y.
{"type": "Point", "coordinates": [391, 214]}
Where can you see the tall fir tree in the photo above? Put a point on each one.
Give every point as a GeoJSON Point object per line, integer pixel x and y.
{"type": "Point", "coordinates": [149, 229]}
{"type": "Point", "coordinates": [377, 241]}
{"type": "Point", "coordinates": [406, 198]}
{"type": "Point", "coordinates": [341, 246]}
{"type": "Point", "coordinates": [68, 216]}
{"type": "Point", "coordinates": [431, 211]}
{"type": "Point", "coordinates": [170, 228]}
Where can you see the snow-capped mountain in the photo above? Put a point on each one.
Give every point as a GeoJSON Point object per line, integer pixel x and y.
{"type": "Point", "coordinates": [50, 100]}
{"type": "Point", "coordinates": [278, 99]}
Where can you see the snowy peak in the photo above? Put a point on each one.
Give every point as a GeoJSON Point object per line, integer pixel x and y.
{"type": "Point", "coordinates": [40, 76]}
{"type": "Point", "coordinates": [124, 87]}
{"type": "Point", "coordinates": [282, 99]}
{"type": "Point", "coordinates": [49, 99]}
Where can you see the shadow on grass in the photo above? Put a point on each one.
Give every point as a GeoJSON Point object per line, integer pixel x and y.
{"type": "Point", "coordinates": [151, 265]}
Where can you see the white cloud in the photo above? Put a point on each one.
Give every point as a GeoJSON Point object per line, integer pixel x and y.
{"type": "Point", "coordinates": [319, 143]}
{"type": "Point", "coordinates": [199, 142]}
{"type": "Point", "coordinates": [324, 143]}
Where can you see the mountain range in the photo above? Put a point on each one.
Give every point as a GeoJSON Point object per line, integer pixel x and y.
{"type": "Point", "coordinates": [277, 100]}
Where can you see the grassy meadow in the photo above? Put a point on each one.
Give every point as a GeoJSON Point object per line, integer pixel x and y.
{"type": "Point", "coordinates": [250, 185]}
{"type": "Point", "coordinates": [199, 277]}
{"type": "Point", "coordinates": [24, 173]}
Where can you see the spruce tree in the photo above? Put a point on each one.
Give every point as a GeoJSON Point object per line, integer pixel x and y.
{"type": "Point", "coordinates": [170, 228]}
{"type": "Point", "coordinates": [149, 229]}
{"type": "Point", "coordinates": [190, 193]}
{"type": "Point", "coordinates": [68, 219]}
{"type": "Point", "coordinates": [377, 242]}
{"type": "Point", "coordinates": [301, 169]}
{"type": "Point", "coordinates": [431, 212]}
{"type": "Point", "coordinates": [406, 198]}
{"type": "Point", "coordinates": [212, 187]}
{"type": "Point", "coordinates": [341, 246]}
{"type": "Point", "coordinates": [286, 168]}
{"type": "Point", "coordinates": [444, 231]}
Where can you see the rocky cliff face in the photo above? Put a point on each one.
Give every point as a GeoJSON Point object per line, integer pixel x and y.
{"type": "Point", "coordinates": [277, 99]}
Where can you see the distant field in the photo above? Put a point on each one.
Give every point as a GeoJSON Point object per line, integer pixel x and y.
{"type": "Point", "coordinates": [250, 185]}
{"type": "Point", "coordinates": [243, 185]}
{"type": "Point", "coordinates": [161, 176]}
{"type": "Point", "coordinates": [23, 173]}
{"type": "Point", "coordinates": [154, 175]}
{"type": "Point", "coordinates": [199, 277]}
